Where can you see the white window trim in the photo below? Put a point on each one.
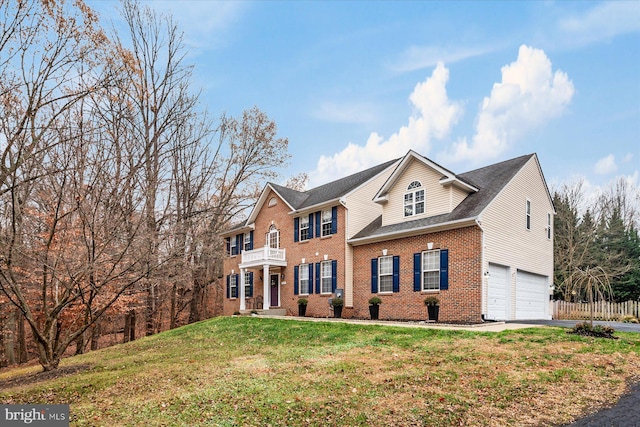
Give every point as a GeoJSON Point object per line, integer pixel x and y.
{"type": "Point", "coordinates": [273, 231]}
{"type": "Point", "coordinates": [528, 214]}
{"type": "Point", "coordinates": [305, 228]}
{"type": "Point", "coordinates": [304, 269]}
{"type": "Point", "coordinates": [413, 189]}
{"type": "Point", "coordinates": [233, 284]}
{"type": "Point", "coordinates": [247, 241]}
{"type": "Point", "coordinates": [247, 278]}
{"type": "Point", "coordinates": [232, 245]}
{"type": "Point", "coordinates": [380, 291]}
{"type": "Point", "coordinates": [329, 215]}
{"type": "Point", "coordinates": [422, 271]}
{"type": "Point", "coordinates": [322, 277]}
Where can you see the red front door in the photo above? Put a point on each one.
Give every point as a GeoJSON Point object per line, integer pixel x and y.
{"type": "Point", "coordinates": [275, 290]}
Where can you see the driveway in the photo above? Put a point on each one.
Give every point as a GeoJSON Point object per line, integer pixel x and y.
{"type": "Point", "coordinates": [618, 326]}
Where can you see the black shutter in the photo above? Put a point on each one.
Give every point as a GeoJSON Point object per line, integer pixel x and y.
{"type": "Point", "coordinates": [374, 275]}
{"type": "Point", "coordinates": [334, 220]}
{"type": "Point", "coordinates": [296, 229]}
{"type": "Point", "coordinates": [417, 272]}
{"type": "Point", "coordinates": [295, 280]}
{"type": "Point", "coordinates": [396, 273]}
{"type": "Point", "coordinates": [334, 275]}
{"type": "Point", "coordinates": [444, 269]}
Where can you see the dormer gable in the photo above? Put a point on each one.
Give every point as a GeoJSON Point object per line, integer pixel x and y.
{"type": "Point", "coordinates": [420, 188]}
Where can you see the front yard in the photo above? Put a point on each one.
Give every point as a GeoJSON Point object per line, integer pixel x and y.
{"type": "Point", "coordinates": [255, 372]}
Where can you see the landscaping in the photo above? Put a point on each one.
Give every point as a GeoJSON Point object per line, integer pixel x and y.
{"type": "Point", "coordinates": [252, 371]}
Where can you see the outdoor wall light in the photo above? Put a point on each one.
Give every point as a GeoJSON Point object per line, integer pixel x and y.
{"type": "Point", "coordinates": [430, 245]}
{"type": "Point", "coordinates": [384, 252]}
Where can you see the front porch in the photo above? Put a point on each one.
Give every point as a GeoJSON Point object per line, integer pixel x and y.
{"type": "Point", "coordinates": [269, 263]}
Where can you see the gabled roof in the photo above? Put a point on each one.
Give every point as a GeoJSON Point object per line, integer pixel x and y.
{"type": "Point", "coordinates": [318, 196]}
{"type": "Point", "coordinates": [448, 177]}
{"type": "Point", "coordinates": [489, 181]}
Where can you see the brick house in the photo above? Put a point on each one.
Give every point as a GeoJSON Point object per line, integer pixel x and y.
{"type": "Point", "coordinates": [481, 241]}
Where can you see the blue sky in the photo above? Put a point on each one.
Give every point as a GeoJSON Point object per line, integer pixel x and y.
{"type": "Point", "coordinates": [467, 84]}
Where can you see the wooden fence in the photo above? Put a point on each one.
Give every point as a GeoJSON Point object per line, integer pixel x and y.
{"type": "Point", "coordinates": [602, 310]}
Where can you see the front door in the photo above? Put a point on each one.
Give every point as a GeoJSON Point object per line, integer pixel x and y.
{"type": "Point", "coordinates": [275, 290]}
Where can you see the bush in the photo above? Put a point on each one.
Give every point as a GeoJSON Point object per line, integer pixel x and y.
{"type": "Point", "coordinates": [629, 319]}
{"type": "Point", "coordinates": [598, 331]}
{"type": "Point", "coordinates": [375, 301]}
{"type": "Point", "coordinates": [303, 301]}
{"type": "Point", "coordinates": [431, 300]}
{"type": "Point", "coordinates": [337, 302]}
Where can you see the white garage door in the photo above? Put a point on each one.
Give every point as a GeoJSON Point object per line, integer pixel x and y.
{"type": "Point", "coordinates": [497, 292]}
{"type": "Point", "coordinates": [532, 296]}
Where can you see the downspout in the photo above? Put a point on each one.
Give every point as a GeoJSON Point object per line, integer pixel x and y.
{"type": "Point", "coordinates": [348, 287]}
{"type": "Point", "coordinates": [483, 277]}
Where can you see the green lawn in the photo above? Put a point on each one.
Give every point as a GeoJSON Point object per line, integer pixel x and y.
{"type": "Point", "coordinates": [247, 371]}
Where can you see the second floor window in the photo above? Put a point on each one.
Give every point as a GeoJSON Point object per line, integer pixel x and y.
{"type": "Point", "coordinates": [233, 249]}
{"type": "Point", "coordinates": [247, 241]}
{"type": "Point", "coordinates": [273, 237]}
{"type": "Point", "coordinates": [414, 199]}
{"type": "Point", "coordinates": [304, 228]}
{"type": "Point", "coordinates": [326, 223]}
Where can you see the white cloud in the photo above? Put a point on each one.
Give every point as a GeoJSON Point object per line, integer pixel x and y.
{"type": "Point", "coordinates": [606, 165]}
{"type": "Point", "coordinates": [627, 158]}
{"type": "Point", "coordinates": [420, 57]}
{"type": "Point", "coordinates": [434, 115]}
{"type": "Point", "coordinates": [529, 95]}
{"type": "Point", "coordinates": [602, 22]}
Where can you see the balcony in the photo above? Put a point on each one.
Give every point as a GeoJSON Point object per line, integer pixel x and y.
{"type": "Point", "coordinates": [262, 256]}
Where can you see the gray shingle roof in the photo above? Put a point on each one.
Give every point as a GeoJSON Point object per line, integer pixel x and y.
{"type": "Point", "coordinates": [489, 180]}
{"type": "Point", "coordinates": [330, 191]}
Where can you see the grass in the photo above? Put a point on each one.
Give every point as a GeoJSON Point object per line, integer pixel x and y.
{"type": "Point", "coordinates": [248, 371]}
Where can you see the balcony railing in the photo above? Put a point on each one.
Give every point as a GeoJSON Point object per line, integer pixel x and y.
{"type": "Point", "coordinates": [264, 255]}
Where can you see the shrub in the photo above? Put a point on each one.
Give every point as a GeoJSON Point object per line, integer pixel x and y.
{"type": "Point", "coordinates": [629, 319]}
{"type": "Point", "coordinates": [375, 301]}
{"type": "Point", "coordinates": [236, 313]}
{"type": "Point", "coordinates": [303, 301]}
{"type": "Point", "coordinates": [337, 302]}
{"type": "Point", "coordinates": [431, 300]}
{"type": "Point", "coordinates": [598, 331]}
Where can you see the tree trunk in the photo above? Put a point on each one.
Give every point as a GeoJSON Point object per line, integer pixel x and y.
{"type": "Point", "coordinates": [80, 344]}
{"type": "Point", "coordinates": [96, 332]}
{"type": "Point", "coordinates": [10, 338]}
{"type": "Point", "coordinates": [22, 338]}
{"type": "Point", "coordinates": [151, 309]}
{"type": "Point", "coordinates": [127, 327]}
{"type": "Point", "coordinates": [172, 315]}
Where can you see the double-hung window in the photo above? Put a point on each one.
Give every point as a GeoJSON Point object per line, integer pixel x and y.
{"type": "Point", "coordinates": [304, 228]}
{"type": "Point", "coordinates": [233, 286]}
{"type": "Point", "coordinates": [385, 274]}
{"type": "Point", "coordinates": [325, 277]}
{"type": "Point", "coordinates": [304, 279]}
{"type": "Point", "coordinates": [326, 223]}
{"type": "Point", "coordinates": [248, 278]}
{"type": "Point", "coordinates": [233, 246]}
{"type": "Point", "coordinates": [528, 214]}
{"type": "Point", "coordinates": [414, 199]}
{"type": "Point", "coordinates": [431, 270]}
{"type": "Point", "coordinates": [247, 241]}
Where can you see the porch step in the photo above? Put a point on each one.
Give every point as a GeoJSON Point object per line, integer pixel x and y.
{"type": "Point", "coordinates": [270, 312]}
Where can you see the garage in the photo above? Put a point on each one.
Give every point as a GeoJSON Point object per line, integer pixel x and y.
{"type": "Point", "coordinates": [532, 296]}
{"type": "Point", "coordinates": [497, 292]}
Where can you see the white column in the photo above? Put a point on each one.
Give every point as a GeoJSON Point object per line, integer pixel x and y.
{"type": "Point", "coordinates": [243, 301]}
{"type": "Point", "coordinates": [267, 287]}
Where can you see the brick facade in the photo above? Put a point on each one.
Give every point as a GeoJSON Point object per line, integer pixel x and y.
{"type": "Point", "coordinates": [462, 302]}
{"type": "Point", "coordinates": [312, 250]}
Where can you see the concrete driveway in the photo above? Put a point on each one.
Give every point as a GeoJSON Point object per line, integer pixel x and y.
{"type": "Point", "coordinates": [618, 326]}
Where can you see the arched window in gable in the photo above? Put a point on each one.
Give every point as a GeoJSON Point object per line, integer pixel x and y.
{"type": "Point", "coordinates": [414, 199]}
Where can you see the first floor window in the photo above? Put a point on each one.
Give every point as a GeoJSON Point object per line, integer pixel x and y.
{"type": "Point", "coordinates": [431, 270]}
{"type": "Point", "coordinates": [304, 279]}
{"type": "Point", "coordinates": [233, 286]}
{"type": "Point", "coordinates": [247, 283]}
{"type": "Point", "coordinates": [325, 277]}
{"type": "Point", "coordinates": [385, 275]}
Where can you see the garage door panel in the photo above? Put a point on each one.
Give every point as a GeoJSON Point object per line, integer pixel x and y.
{"type": "Point", "coordinates": [497, 292]}
{"type": "Point", "coordinates": [532, 296]}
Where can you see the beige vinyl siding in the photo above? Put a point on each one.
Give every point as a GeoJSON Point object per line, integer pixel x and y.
{"type": "Point", "coordinates": [456, 196]}
{"type": "Point", "coordinates": [438, 199]}
{"type": "Point", "coordinates": [506, 239]}
{"type": "Point", "coordinates": [361, 210]}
